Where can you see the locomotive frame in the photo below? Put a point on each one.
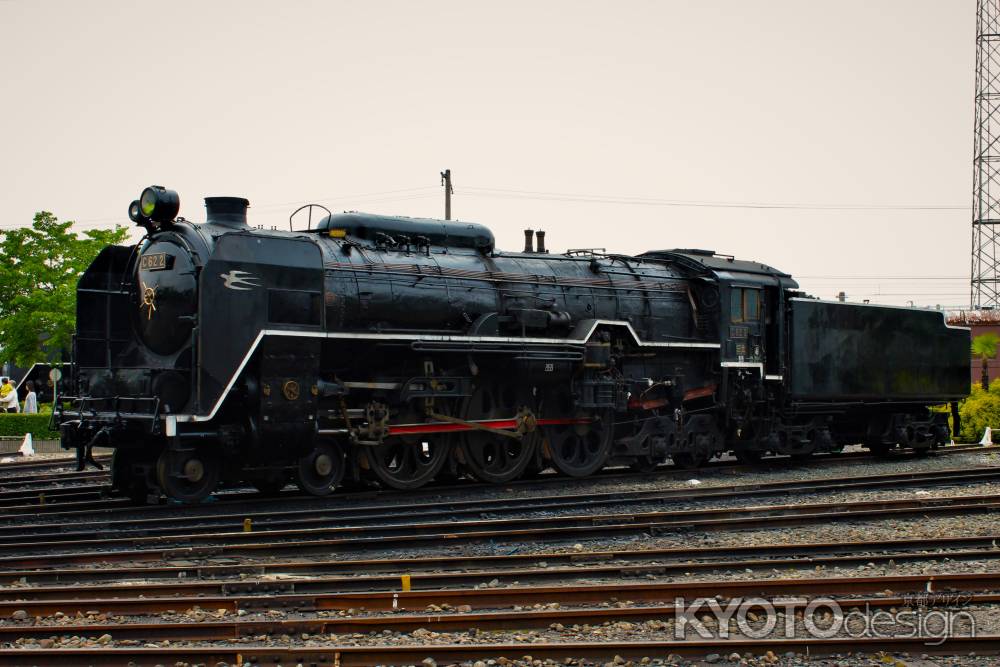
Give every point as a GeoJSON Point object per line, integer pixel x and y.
{"type": "Point", "coordinates": [404, 350]}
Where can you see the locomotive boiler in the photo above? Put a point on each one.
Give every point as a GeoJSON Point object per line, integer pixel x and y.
{"type": "Point", "coordinates": [401, 350]}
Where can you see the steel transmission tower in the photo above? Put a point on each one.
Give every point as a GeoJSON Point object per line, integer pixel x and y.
{"type": "Point", "coordinates": [986, 160]}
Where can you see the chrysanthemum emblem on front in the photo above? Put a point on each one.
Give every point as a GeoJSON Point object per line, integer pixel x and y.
{"type": "Point", "coordinates": [148, 300]}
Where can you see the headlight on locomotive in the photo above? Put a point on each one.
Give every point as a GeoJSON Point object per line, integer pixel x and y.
{"type": "Point", "coordinates": [159, 204]}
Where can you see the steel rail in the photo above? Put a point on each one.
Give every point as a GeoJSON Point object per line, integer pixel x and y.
{"type": "Point", "coordinates": [207, 577]}
{"type": "Point", "coordinates": [302, 593]}
{"type": "Point", "coordinates": [79, 502]}
{"type": "Point", "coordinates": [777, 461]}
{"type": "Point", "coordinates": [422, 580]}
{"type": "Point", "coordinates": [347, 538]}
{"type": "Point", "coordinates": [62, 477]}
{"type": "Point", "coordinates": [388, 526]}
{"type": "Point", "coordinates": [367, 655]}
{"type": "Point", "coordinates": [331, 513]}
{"type": "Point", "coordinates": [31, 464]}
{"type": "Point", "coordinates": [214, 628]}
{"type": "Point", "coordinates": [258, 596]}
{"type": "Point", "coordinates": [54, 492]}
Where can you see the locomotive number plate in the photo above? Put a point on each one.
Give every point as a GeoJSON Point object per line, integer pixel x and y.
{"type": "Point", "coordinates": [156, 262]}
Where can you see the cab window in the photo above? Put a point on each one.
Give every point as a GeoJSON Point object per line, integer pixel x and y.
{"type": "Point", "coordinates": [736, 305]}
{"type": "Point", "coordinates": [744, 304]}
{"type": "Point", "coordinates": [751, 304]}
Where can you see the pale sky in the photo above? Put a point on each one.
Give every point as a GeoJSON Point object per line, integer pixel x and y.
{"type": "Point", "coordinates": [590, 120]}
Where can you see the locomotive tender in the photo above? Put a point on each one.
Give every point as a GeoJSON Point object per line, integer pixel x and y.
{"type": "Point", "coordinates": [401, 349]}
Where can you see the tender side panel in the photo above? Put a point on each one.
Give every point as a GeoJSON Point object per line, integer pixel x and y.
{"type": "Point", "coordinates": [843, 352]}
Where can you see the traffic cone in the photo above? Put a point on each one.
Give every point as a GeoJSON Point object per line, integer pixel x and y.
{"type": "Point", "coordinates": [27, 449]}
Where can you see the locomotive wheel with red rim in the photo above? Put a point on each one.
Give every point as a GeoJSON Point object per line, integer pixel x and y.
{"type": "Point", "coordinates": [188, 474]}
{"type": "Point", "coordinates": [319, 472]}
{"type": "Point", "coordinates": [492, 457]}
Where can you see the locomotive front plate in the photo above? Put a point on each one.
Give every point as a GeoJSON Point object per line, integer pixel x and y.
{"type": "Point", "coordinates": [156, 262]}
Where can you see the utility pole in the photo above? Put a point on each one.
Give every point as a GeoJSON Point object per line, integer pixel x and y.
{"type": "Point", "coordinates": [448, 191]}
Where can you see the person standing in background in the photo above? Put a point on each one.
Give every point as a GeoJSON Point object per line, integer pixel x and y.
{"type": "Point", "coordinates": [13, 404]}
{"type": "Point", "coordinates": [8, 397]}
{"type": "Point", "coordinates": [30, 399]}
{"type": "Point", "coordinates": [5, 389]}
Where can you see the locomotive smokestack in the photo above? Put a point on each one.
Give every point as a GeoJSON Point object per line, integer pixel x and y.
{"type": "Point", "coordinates": [541, 241]}
{"type": "Point", "coordinates": [227, 211]}
{"type": "Point", "coordinates": [529, 238]}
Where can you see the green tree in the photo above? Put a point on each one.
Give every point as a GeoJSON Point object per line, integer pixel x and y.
{"type": "Point", "coordinates": [985, 347]}
{"type": "Point", "coordinates": [39, 268]}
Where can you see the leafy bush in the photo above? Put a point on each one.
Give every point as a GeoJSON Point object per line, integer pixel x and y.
{"type": "Point", "coordinates": [979, 410]}
{"type": "Point", "coordinates": [19, 424]}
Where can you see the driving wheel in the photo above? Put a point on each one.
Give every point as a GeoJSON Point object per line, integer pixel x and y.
{"type": "Point", "coordinates": [581, 446]}
{"type": "Point", "coordinates": [494, 457]}
{"type": "Point", "coordinates": [409, 462]}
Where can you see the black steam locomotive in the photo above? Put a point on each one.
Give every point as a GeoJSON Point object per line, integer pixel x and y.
{"type": "Point", "coordinates": [401, 349]}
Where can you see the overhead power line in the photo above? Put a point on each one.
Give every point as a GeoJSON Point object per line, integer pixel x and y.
{"type": "Point", "coordinates": [650, 201]}
{"type": "Point", "coordinates": [963, 278]}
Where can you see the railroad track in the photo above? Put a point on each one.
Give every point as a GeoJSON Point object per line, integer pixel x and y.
{"type": "Point", "coordinates": [97, 488]}
{"type": "Point", "coordinates": [201, 585]}
{"type": "Point", "coordinates": [466, 569]}
{"type": "Point", "coordinates": [48, 494]}
{"type": "Point", "coordinates": [312, 593]}
{"type": "Point", "coordinates": [31, 465]}
{"type": "Point", "coordinates": [214, 629]}
{"type": "Point", "coordinates": [407, 535]}
{"type": "Point", "coordinates": [560, 604]}
{"type": "Point", "coordinates": [594, 652]}
{"type": "Point", "coordinates": [343, 512]}
{"type": "Point", "coordinates": [206, 580]}
{"type": "Point", "coordinates": [558, 608]}
{"type": "Point", "coordinates": [10, 483]}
